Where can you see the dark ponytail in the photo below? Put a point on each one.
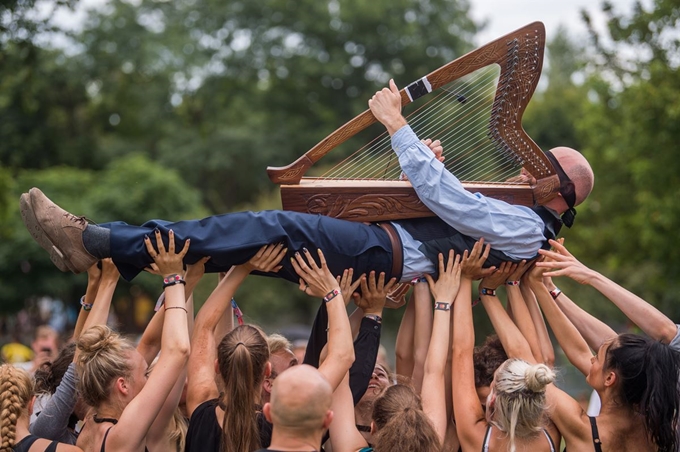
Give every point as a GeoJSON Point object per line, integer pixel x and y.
{"type": "Point", "coordinates": [242, 356]}
{"type": "Point", "coordinates": [648, 372]}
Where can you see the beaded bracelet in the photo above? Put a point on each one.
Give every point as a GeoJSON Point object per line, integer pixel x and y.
{"type": "Point", "coordinates": [442, 306]}
{"type": "Point", "coordinates": [332, 294]}
{"type": "Point", "coordinates": [512, 283]}
{"type": "Point", "coordinates": [172, 280]}
{"type": "Point", "coordinates": [86, 306]}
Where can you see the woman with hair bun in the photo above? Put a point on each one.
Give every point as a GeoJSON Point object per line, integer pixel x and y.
{"type": "Point", "coordinates": [16, 406]}
{"type": "Point", "coordinates": [516, 416]}
{"type": "Point", "coordinates": [113, 374]}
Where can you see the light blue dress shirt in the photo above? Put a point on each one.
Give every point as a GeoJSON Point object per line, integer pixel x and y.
{"type": "Point", "coordinates": [515, 230]}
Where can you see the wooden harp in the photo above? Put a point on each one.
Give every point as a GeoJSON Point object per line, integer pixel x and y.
{"type": "Point", "coordinates": [474, 106]}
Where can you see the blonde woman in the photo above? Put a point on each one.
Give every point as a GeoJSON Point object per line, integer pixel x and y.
{"type": "Point", "coordinates": [113, 374]}
{"type": "Point", "coordinates": [16, 406]}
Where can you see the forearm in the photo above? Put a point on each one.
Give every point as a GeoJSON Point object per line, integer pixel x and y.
{"type": "Point", "coordinates": [340, 343]}
{"type": "Point", "coordinates": [317, 337]}
{"type": "Point", "coordinates": [522, 318]}
{"type": "Point", "coordinates": [52, 423]}
{"type": "Point", "coordinates": [175, 334]}
{"type": "Point", "coordinates": [99, 313]}
{"type": "Point", "coordinates": [547, 350]}
{"type": "Point", "coordinates": [404, 343]}
{"type": "Point", "coordinates": [355, 321]}
{"type": "Point", "coordinates": [219, 300]}
{"type": "Point", "coordinates": [567, 335]}
{"type": "Point", "coordinates": [652, 321]}
{"type": "Point", "coordinates": [435, 362]}
{"type": "Point", "coordinates": [592, 329]}
{"type": "Point", "coordinates": [366, 348]}
{"type": "Point", "coordinates": [514, 343]}
{"type": "Point", "coordinates": [463, 333]}
{"type": "Point", "coordinates": [423, 331]}
{"type": "Point", "coordinates": [88, 299]}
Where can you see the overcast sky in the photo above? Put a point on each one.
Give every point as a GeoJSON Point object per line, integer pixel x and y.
{"type": "Point", "coordinates": [504, 16]}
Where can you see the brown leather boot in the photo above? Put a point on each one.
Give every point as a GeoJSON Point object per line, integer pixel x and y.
{"type": "Point", "coordinates": [38, 235]}
{"type": "Point", "coordinates": [63, 229]}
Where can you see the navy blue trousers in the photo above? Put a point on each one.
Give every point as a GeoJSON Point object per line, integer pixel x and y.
{"type": "Point", "coordinates": [233, 238]}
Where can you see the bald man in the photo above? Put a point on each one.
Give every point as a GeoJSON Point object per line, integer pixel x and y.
{"type": "Point", "coordinates": [403, 249]}
{"type": "Point", "coordinates": [299, 409]}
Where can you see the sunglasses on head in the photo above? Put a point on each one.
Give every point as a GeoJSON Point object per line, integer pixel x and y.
{"type": "Point", "coordinates": [567, 190]}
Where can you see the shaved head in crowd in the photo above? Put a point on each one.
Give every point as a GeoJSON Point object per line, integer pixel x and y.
{"type": "Point", "coordinates": [299, 406]}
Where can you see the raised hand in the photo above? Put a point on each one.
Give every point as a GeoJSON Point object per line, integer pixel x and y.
{"type": "Point", "coordinates": [109, 272]}
{"type": "Point", "coordinates": [314, 280]}
{"type": "Point", "coordinates": [167, 262]}
{"type": "Point", "coordinates": [562, 263]}
{"type": "Point", "coordinates": [499, 277]}
{"type": "Point", "coordinates": [386, 107]}
{"type": "Point", "coordinates": [436, 147]}
{"type": "Point", "coordinates": [267, 259]}
{"type": "Point", "coordinates": [446, 287]}
{"type": "Point", "coordinates": [396, 298]}
{"type": "Point", "coordinates": [374, 293]}
{"type": "Point", "coordinates": [347, 286]}
{"type": "Point", "coordinates": [471, 265]}
{"type": "Point", "coordinates": [520, 270]}
{"type": "Point", "coordinates": [196, 271]}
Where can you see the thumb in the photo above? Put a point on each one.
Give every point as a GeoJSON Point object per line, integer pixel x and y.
{"type": "Point", "coordinates": [393, 87]}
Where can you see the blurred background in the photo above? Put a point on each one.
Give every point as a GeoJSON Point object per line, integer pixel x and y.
{"type": "Point", "coordinates": [140, 109]}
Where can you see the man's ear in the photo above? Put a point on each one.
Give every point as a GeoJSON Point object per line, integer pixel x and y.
{"type": "Point", "coordinates": [328, 419]}
{"type": "Point", "coordinates": [374, 428]}
{"type": "Point", "coordinates": [268, 370]}
{"type": "Point", "coordinates": [267, 411]}
{"type": "Point", "coordinates": [267, 385]}
{"type": "Point", "coordinates": [217, 367]}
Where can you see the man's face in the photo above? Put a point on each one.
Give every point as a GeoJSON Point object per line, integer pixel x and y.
{"type": "Point", "coordinates": [282, 360]}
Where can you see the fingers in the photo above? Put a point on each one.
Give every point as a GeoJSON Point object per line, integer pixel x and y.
{"type": "Point", "coordinates": [393, 87]}
{"type": "Point", "coordinates": [159, 242]}
{"type": "Point", "coordinates": [185, 249]}
{"type": "Point", "coordinates": [449, 262]}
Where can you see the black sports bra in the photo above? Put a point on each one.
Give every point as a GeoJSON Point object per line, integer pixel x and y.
{"type": "Point", "coordinates": [597, 444]}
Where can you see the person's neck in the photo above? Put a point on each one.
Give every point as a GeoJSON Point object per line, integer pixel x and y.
{"type": "Point", "coordinates": [362, 413]}
{"type": "Point", "coordinates": [285, 440]}
{"type": "Point", "coordinates": [107, 411]}
{"type": "Point", "coordinates": [21, 429]}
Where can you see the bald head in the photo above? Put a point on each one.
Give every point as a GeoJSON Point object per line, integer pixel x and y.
{"type": "Point", "coordinates": [301, 399]}
{"type": "Point", "coordinates": [578, 169]}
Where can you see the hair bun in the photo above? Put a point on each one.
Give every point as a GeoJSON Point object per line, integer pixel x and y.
{"type": "Point", "coordinates": [95, 340]}
{"type": "Point", "coordinates": [538, 376]}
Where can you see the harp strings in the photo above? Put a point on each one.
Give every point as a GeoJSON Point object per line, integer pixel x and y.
{"type": "Point", "coordinates": [459, 116]}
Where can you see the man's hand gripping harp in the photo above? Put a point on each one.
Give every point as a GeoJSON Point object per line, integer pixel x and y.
{"type": "Point", "coordinates": [475, 106]}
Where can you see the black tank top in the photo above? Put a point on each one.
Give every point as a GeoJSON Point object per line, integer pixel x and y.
{"type": "Point", "coordinates": [205, 432]}
{"type": "Point", "coordinates": [25, 444]}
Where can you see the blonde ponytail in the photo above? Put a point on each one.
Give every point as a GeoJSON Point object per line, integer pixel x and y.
{"type": "Point", "coordinates": [16, 392]}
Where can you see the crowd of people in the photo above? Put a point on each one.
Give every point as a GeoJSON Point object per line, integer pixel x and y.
{"type": "Point", "coordinates": [204, 383]}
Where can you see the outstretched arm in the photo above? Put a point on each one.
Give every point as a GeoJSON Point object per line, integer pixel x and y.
{"type": "Point", "coordinates": [468, 412]}
{"type": "Point", "coordinates": [318, 281]}
{"type": "Point", "coordinates": [137, 417]}
{"type": "Point", "coordinates": [201, 376]}
{"type": "Point", "coordinates": [445, 291]}
{"type": "Point", "coordinates": [571, 341]}
{"type": "Point", "coordinates": [652, 321]}
{"type": "Point", "coordinates": [514, 343]}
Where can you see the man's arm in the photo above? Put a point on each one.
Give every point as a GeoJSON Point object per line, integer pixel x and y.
{"type": "Point", "coordinates": [515, 230]}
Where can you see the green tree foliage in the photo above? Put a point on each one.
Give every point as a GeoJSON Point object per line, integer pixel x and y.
{"type": "Point", "coordinates": [630, 133]}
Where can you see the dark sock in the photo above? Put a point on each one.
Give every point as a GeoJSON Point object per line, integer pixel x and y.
{"type": "Point", "coordinates": [97, 241]}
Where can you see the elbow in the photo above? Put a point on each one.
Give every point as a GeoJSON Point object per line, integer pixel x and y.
{"type": "Point", "coordinates": [549, 359]}
{"type": "Point", "coordinates": [180, 350]}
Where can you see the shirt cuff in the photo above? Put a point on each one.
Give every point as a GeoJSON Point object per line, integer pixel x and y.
{"type": "Point", "coordinates": [403, 139]}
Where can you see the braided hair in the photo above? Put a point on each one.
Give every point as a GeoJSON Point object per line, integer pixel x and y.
{"type": "Point", "coordinates": [16, 392]}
